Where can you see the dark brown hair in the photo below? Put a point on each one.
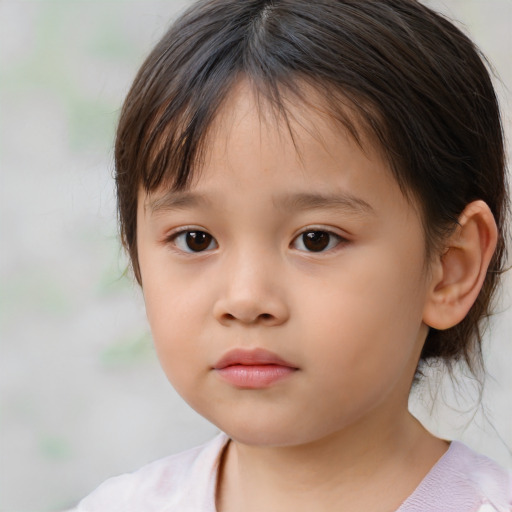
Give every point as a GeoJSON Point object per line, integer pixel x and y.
{"type": "Point", "coordinates": [416, 83]}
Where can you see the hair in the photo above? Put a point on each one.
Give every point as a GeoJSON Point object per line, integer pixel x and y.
{"type": "Point", "coordinates": [392, 70]}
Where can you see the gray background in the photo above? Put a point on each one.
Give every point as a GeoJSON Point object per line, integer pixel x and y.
{"type": "Point", "coordinates": [81, 394]}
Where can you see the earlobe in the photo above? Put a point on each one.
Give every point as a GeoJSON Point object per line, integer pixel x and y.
{"type": "Point", "coordinates": [459, 272]}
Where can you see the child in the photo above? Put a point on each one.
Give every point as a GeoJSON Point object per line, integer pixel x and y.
{"type": "Point", "coordinates": [313, 198]}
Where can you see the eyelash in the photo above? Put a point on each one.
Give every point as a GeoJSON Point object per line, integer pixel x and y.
{"type": "Point", "coordinates": [171, 239]}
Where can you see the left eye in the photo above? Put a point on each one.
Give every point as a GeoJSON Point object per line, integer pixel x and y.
{"type": "Point", "coordinates": [316, 241]}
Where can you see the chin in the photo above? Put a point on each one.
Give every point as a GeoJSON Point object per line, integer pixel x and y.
{"type": "Point", "coordinates": [257, 432]}
{"type": "Point", "coordinates": [267, 434]}
{"type": "Point", "coordinates": [261, 438]}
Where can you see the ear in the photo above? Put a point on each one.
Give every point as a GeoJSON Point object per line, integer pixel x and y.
{"type": "Point", "coordinates": [459, 272]}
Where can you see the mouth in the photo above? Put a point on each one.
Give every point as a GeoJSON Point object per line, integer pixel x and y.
{"type": "Point", "coordinates": [253, 369]}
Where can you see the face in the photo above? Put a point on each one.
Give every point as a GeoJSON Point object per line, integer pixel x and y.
{"type": "Point", "coordinates": [285, 288]}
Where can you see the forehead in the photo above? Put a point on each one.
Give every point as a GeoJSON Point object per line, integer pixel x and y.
{"type": "Point", "coordinates": [177, 142]}
{"type": "Point", "coordinates": [297, 112]}
{"type": "Point", "coordinates": [300, 114]}
{"type": "Point", "coordinates": [309, 159]}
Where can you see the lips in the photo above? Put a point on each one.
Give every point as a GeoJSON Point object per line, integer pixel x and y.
{"type": "Point", "coordinates": [250, 358]}
{"type": "Point", "coordinates": [253, 369]}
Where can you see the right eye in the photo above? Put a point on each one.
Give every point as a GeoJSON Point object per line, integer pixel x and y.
{"type": "Point", "coordinates": [192, 241]}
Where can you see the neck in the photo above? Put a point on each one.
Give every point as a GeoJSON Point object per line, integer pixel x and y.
{"type": "Point", "coordinates": [330, 472]}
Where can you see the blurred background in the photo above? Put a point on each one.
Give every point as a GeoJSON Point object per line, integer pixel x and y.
{"type": "Point", "coordinates": [82, 396]}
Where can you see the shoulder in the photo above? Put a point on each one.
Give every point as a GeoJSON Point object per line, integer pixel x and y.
{"type": "Point", "coordinates": [186, 479]}
{"type": "Point", "coordinates": [491, 480]}
{"type": "Point", "coordinates": [463, 480]}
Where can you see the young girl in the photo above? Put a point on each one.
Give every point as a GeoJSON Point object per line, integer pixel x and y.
{"type": "Point", "coordinates": [313, 198]}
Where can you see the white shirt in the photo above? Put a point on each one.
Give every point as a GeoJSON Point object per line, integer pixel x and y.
{"type": "Point", "coordinates": [461, 481]}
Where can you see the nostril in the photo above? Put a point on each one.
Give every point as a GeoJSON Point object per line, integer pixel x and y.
{"type": "Point", "coordinates": [262, 317]}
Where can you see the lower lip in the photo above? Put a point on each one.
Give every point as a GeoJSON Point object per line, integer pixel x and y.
{"type": "Point", "coordinates": [255, 376]}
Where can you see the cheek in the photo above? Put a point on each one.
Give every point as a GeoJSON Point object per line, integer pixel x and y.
{"type": "Point", "coordinates": [177, 307]}
{"type": "Point", "coordinates": [369, 317]}
{"type": "Point", "coordinates": [176, 318]}
{"type": "Point", "coordinates": [173, 297]}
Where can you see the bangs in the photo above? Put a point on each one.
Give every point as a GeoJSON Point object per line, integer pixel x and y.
{"type": "Point", "coordinates": [174, 147]}
{"type": "Point", "coordinates": [190, 73]}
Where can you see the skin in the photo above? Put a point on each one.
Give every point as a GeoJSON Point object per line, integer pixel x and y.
{"type": "Point", "coordinates": [350, 318]}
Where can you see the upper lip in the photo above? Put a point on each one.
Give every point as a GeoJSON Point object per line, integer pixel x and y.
{"type": "Point", "coordinates": [257, 356]}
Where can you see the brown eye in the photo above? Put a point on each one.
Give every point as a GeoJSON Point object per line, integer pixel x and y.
{"type": "Point", "coordinates": [316, 241]}
{"type": "Point", "coordinates": [193, 241]}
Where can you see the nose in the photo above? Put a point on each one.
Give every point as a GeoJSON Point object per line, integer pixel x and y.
{"type": "Point", "coordinates": [250, 294]}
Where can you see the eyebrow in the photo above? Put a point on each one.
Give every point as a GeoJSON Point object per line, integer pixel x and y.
{"type": "Point", "coordinates": [177, 201]}
{"type": "Point", "coordinates": [302, 201]}
{"type": "Point", "coordinates": [317, 201]}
